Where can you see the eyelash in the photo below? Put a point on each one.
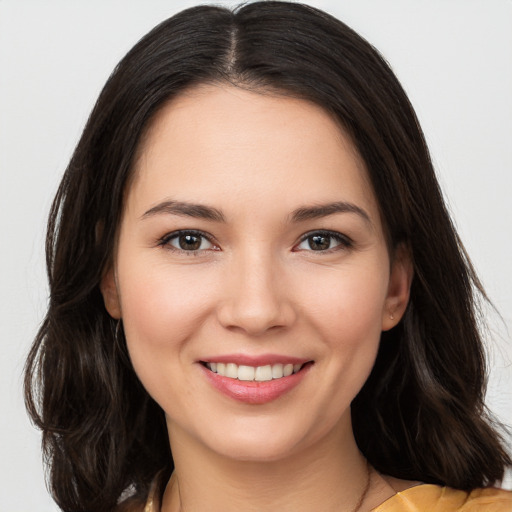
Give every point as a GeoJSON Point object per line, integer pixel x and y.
{"type": "Point", "coordinates": [344, 242]}
{"type": "Point", "coordinates": [165, 241]}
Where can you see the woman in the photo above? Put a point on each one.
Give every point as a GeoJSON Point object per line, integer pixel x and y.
{"type": "Point", "coordinates": [258, 299]}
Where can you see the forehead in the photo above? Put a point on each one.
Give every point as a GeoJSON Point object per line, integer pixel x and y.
{"type": "Point", "coordinates": [221, 142]}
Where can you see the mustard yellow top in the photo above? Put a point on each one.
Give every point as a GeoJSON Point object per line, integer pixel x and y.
{"type": "Point", "coordinates": [424, 498]}
{"type": "Point", "coordinates": [434, 498]}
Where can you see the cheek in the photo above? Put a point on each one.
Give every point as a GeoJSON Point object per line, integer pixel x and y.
{"type": "Point", "coordinates": [348, 304]}
{"type": "Point", "coordinates": [161, 308]}
{"type": "Point", "coordinates": [345, 311]}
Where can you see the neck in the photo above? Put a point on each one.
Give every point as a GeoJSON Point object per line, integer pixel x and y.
{"type": "Point", "coordinates": [329, 475]}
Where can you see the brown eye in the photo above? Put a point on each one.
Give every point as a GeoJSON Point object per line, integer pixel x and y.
{"type": "Point", "coordinates": [188, 241]}
{"type": "Point", "coordinates": [324, 241]}
{"type": "Point", "coordinates": [319, 242]}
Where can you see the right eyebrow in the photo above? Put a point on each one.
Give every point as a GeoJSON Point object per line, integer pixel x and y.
{"type": "Point", "coordinates": [184, 209]}
{"type": "Point", "coordinates": [324, 210]}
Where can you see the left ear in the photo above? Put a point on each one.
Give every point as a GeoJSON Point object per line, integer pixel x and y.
{"type": "Point", "coordinates": [399, 287]}
{"type": "Point", "coordinates": [108, 287]}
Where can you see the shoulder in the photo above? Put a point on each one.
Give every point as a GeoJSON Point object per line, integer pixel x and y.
{"type": "Point", "coordinates": [435, 498]}
{"type": "Point", "coordinates": [489, 498]}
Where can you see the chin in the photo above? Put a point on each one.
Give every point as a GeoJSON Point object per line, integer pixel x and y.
{"type": "Point", "coordinates": [262, 441]}
{"type": "Point", "coordinates": [260, 449]}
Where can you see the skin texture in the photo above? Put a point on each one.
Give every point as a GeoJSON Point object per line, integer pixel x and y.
{"type": "Point", "coordinates": [255, 287]}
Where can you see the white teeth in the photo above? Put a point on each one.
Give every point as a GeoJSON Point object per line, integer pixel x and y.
{"type": "Point", "coordinates": [277, 371]}
{"type": "Point", "coordinates": [245, 373]}
{"type": "Point", "coordinates": [252, 373]}
{"type": "Point", "coordinates": [231, 370]}
{"type": "Point", "coordinates": [263, 373]}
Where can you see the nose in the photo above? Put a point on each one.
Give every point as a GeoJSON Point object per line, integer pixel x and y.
{"type": "Point", "coordinates": [256, 298]}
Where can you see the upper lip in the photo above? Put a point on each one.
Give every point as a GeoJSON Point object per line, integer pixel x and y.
{"type": "Point", "coordinates": [255, 360]}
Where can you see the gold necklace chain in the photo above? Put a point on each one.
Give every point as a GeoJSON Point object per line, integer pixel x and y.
{"type": "Point", "coordinates": [366, 488]}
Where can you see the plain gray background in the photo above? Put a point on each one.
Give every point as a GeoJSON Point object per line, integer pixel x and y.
{"type": "Point", "coordinates": [454, 58]}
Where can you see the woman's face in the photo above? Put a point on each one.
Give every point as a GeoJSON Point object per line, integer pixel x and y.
{"type": "Point", "coordinates": [251, 242]}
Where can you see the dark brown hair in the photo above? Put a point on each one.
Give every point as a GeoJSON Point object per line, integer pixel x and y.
{"type": "Point", "coordinates": [421, 414]}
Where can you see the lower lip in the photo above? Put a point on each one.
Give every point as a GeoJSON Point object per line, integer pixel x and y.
{"type": "Point", "coordinates": [252, 392]}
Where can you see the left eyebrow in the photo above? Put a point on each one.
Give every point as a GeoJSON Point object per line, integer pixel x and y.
{"type": "Point", "coordinates": [185, 209]}
{"type": "Point", "coordinates": [324, 210]}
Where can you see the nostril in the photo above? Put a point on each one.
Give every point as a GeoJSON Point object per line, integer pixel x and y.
{"type": "Point", "coordinates": [255, 317]}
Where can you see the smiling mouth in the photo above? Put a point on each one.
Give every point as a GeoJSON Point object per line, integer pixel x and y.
{"type": "Point", "coordinates": [254, 373]}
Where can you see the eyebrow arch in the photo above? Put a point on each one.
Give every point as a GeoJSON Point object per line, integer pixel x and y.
{"type": "Point", "coordinates": [197, 211]}
{"type": "Point", "coordinates": [323, 210]}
